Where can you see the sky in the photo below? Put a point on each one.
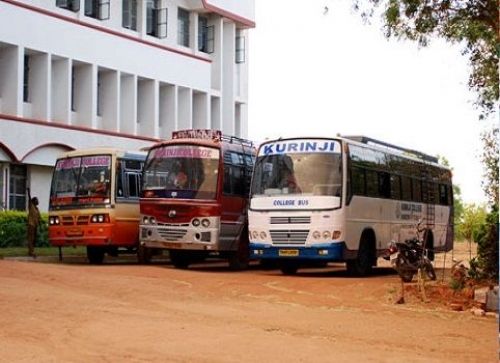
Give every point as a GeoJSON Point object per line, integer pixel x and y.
{"type": "Point", "coordinates": [321, 73]}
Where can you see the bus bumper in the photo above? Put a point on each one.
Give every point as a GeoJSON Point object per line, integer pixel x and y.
{"type": "Point", "coordinates": [325, 252]}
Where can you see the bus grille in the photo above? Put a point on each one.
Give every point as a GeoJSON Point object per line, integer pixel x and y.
{"type": "Point", "coordinates": [172, 234]}
{"type": "Point", "coordinates": [82, 220]}
{"type": "Point", "coordinates": [290, 220]}
{"type": "Point", "coordinates": [67, 221]}
{"type": "Point", "coordinates": [282, 236]}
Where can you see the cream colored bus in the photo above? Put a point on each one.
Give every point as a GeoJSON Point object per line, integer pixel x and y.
{"type": "Point", "coordinates": [94, 201]}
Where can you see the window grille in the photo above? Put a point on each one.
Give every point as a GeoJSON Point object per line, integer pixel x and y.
{"type": "Point", "coordinates": [156, 19]}
{"type": "Point", "coordinates": [183, 27]}
{"type": "Point", "coordinates": [72, 5]}
{"type": "Point", "coordinates": [129, 14]}
{"type": "Point", "coordinates": [98, 9]}
{"type": "Point", "coordinates": [240, 49]}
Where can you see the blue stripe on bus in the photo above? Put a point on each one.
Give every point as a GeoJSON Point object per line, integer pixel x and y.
{"type": "Point", "coordinates": [335, 252]}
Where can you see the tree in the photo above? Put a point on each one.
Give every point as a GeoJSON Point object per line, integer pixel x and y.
{"type": "Point", "coordinates": [458, 204]}
{"type": "Point", "coordinates": [489, 157]}
{"type": "Point", "coordinates": [474, 23]}
{"type": "Point", "coordinates": [472, 220]}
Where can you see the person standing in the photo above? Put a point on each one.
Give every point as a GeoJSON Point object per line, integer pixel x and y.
{"type": "Point", "coordinates": [33, 222]}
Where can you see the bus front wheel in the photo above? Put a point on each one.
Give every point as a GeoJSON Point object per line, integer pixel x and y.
{"type": "Point", "coordinates": [362, 265]}
{"type": "Point", "coordinates": [95, 255]}
{"type": "Point", "coordinates": [144, 254]}
{"type": "Point", "coordinates": [289, 268]}
{"type": "Point", "coordinates": [179, 259]}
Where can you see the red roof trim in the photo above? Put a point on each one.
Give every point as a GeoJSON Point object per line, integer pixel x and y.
{"type": "Point", "coordinates": [75, 128]}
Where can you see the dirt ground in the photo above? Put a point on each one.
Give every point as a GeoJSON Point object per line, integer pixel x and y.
{"type": "Point", "coordinates": [120, 311]}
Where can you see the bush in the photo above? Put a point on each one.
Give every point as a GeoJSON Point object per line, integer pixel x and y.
{"type": "Point", "coordinates": [13, 230]}
{"type": "Point", "coordinates": [487, 246]}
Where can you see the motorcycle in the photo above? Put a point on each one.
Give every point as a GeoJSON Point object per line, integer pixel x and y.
{"type": "Point", "coordinates": [409, 256]}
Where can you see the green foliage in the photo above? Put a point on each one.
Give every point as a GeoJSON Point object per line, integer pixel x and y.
{"type": "Point", "coordinates": [487, 248]}
{"type": "Point", "coordinates": [472, 219]}
{"type": "Point", "coordinates": [458, 204]}
{"type": "Point", "coordinates": [475, 24]}
{"type": "Point", "coordinates": [13, 229]}
{"type": "Point", "coordinates": [489, 157]}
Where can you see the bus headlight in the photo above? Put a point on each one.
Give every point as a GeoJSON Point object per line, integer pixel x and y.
{"type": "Point", "coordinates": [196, 222]}
{"type": "Point", "coordinates": [100, 218]}
{"type": "Point", "coordinates": [152, 220]}
{"type": "Point", "coordinates": [255, 234]}
{"type": "Point", "coordinates": [145, 220]}
{"type": "Point", "coordinates": [326, 234]}
{"type": "Point", "coordinates": [54, 221]}
{"type": "Point", "coordinates": [205, 223]}
{"type": "Point", "coordinates": [316, 235]}
{"type": "Point", "coordinates": [263, 235]}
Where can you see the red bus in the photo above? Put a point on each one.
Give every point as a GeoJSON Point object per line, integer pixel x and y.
{"type": "Point", "coordinates": [195, 197]}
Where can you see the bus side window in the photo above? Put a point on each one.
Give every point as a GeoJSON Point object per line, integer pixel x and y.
{"type": "Point", "coordinates": [384, 184]}
{"type": "Point", "coordinates": [134, 183]}
{"type": "Point", "coordinates": [119, 179]}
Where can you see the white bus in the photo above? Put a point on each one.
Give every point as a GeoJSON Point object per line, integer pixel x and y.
{"type": "Point", "coordinates": [343, 199]}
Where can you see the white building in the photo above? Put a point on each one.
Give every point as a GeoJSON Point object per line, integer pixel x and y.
{"type": "Point", "coordinates": [124, 73]}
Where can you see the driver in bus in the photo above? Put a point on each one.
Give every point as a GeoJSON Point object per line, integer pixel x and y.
{"type": "Point", "coordinates": [181, 180]}
{"type": "Point", "coordinates": [288, 182]}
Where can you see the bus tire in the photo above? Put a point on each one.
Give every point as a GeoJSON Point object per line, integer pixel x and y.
{"type": "Point", "coordinates": [362, 265]}
{"type": "Point", "coordinates": [179, 259]}
{"type": "Point", "coordinates": [239, 259]}
{"type": "Point", "coordinates": [289, 268]}
{"type": "Point", "coordinates": [144, 255]}
{"type": "Point", "coordinates": [95, 255]}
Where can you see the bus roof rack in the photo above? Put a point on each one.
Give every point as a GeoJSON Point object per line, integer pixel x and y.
{"type": "Point", "coordinates": [410, 152]}
{"type": "Point", "coordinates": [237, 140]}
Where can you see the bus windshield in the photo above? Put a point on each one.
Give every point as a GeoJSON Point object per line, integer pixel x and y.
{"type": "Point", "coordinates": [301, 173]}
{"type": "Point", "coordinates": [181, 171]}
{"type": "Point", "coordinates": [81, 181]}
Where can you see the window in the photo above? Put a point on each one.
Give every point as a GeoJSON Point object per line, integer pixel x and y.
{"type": "Point", "coordinates": [129, 14]}
{"type": "Point", "coordinates": [395, 187]}
{"type": "Point", "coordinates": [73, 83]}
{"type": "Point", "coordinates": [99, 94]}
{"type": "Point", "coordinates": [98, 9]}
{"type": "Point", "coordinates": [358, 181]}
{"type": "Point", "coordinates": [372, 183]}
{"type": "Point", "coordinates": [240, 49]}
{"type": "Point", "coordinates": [183, 27]}
{"type": "Point", "coordinates": [17, 187]}
{"type": "Point", "coordinates": [237, 173]}
{"type": "Point", "coordinates": [128, 184]}
{"type": "Point", "coordinates": [156, 19]}
{"type": "Point", "coordinates": [205, 35]}
{"type": "Point", "coordinates": [416, 186]}
{"type": "Point", "coordinates": [406, 188]}
{"type": "Point", "coordinates": [26, 81]}
{"type": "Point", "coordinates": [73, 5]}
{"type": "Point", "coordinates": [384, 185]}
{"type": "Point", "coordinates": [443, 194]}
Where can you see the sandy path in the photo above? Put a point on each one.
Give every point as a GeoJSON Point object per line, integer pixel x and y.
{"type": "Point", "coordinates": [111, 313]}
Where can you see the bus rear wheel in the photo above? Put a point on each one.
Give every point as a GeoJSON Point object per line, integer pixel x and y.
{"type": "Point", "coordinates": [95, 255]}
{"type": "Point", "coordinates": [180, 259]}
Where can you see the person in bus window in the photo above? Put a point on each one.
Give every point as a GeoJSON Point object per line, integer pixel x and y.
{"type": "Point", "coordinates": [181, 180]}
{"type": "Point", "coordinates": [288, 182]}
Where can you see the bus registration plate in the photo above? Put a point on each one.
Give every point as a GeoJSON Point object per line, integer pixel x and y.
{"type": "Point", "coordinates": [288, 253]}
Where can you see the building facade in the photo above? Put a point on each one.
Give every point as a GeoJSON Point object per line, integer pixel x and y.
{"type": "Point", "coordinates": [121, 73]}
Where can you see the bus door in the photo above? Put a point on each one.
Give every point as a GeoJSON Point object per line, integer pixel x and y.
{"type": "Point", "coordinates": [236, 181]}
{"type": "Point", "coordinates": [128, 181]}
